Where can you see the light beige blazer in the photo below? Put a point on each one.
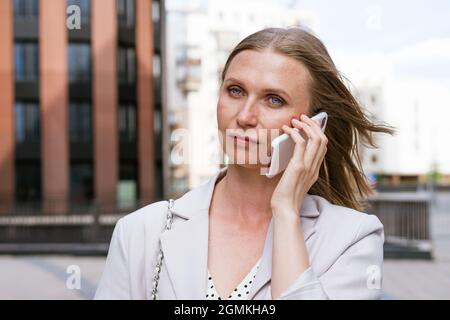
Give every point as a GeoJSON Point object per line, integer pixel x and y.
{"type": "Point", "coordinates": [345, 247]}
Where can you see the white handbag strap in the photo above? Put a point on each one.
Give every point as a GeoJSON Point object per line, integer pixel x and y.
{"type": "Point", "coordinates": [157, 270]}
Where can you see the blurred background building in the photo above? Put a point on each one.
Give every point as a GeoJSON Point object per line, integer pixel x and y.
{"type": "Point", "coordinates": [81, 114]}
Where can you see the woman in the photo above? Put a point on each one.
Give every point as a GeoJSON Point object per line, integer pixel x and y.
{"type": "Point", "coordinates": [298, 235]}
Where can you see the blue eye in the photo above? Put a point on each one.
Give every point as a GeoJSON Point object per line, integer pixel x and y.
{"type": "Point", "coordinates": [234, 90]}
{"type": "Point", "coordinates": [277, 100]}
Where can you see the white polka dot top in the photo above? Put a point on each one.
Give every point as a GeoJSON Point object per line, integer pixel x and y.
{"type": "Point", "coordinates": [239, 293]}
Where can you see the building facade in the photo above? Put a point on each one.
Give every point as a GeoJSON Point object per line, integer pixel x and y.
{"type": "Point", "coordinates": [81, 105]}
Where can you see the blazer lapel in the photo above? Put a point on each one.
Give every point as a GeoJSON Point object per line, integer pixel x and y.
{"type": "Point", "coordinates": [185, 251]}
{"type": "Point", "coordinates": [308, 213]}
{"type": "Point", "coordinates": [185, 246]}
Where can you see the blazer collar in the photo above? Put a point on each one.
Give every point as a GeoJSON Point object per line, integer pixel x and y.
{"type": "Point", "coordinates": [185, 246]}
{"type": "Point", "coordinates": [199, 199]}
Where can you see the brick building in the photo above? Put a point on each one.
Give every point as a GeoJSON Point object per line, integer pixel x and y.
{"type": "Point", "coordinates": [81, 116]}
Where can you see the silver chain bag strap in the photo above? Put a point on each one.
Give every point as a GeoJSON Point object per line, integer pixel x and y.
{"type": "Point", "coordinates": [161, 254]}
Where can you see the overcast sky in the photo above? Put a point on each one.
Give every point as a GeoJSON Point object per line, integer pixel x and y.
{"type": "Point", "coordinates": [415, 33]}
{"type": "Point", "coordinates": [378, 25]}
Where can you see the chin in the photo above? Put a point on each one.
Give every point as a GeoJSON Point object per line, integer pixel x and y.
{"type": "Point", "coordinates": [250, 166]}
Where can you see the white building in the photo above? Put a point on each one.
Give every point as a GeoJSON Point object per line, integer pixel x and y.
{"type": "Point", "coordinates": [416, 106]}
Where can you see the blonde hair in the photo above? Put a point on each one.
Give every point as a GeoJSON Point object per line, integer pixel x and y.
{"type": "Point", "coordinates": [341, 178]}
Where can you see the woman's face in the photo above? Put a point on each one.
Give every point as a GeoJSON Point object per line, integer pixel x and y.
{"type": "Point", "coordinates": [261, 91]}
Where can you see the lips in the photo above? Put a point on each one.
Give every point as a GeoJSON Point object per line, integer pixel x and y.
{"type": "Point", "coordinates": [245, 138]}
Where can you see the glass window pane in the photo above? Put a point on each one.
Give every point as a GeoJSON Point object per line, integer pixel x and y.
{"type": "Point", "coordinates": [80, 122]}
{"type": "Point", "coordinates": [120, 9]}
{"type": "Point", "coordinates": [122, 118]}
{"type": "Point", "coordinates": [81, 182]}
{"type": "Point", "coordinates": [18, 8]}
{"type": "Point", "coordinates": [86, 122]}
{"type": "Point", "coordinates": [31, 62]}
{"type": "Point", "coordinates": [26, 61]}
{"type": "Point", "coordinates": [126, 65]}
{"type": "Point", "coordinates": [155, 11]}
{"type": "Point", "coordinates": [156, 66]}
{"type": "Point", "coordinates": [121, 61]}
{"type": "Point", "coordinates": [28, 183]}
{"type": "Point", "coordinates": [20, 122]}
{"type": "Point", "coordinates": [32, 114]}
{"type": "Point", "coordinates": [19, 62]}
{"type": "Point", "coordinates": [131, 65]}
{"type": "Point", "coordinates": [25, 9]}
{"type": "Point", "coordinates": [27, 122]}
{"type": "Point", "coordinates": [79, 55]}
{"type": "Point", "coordinates": [131, 123]}
{"type": "Point", "coordinates": [126, 13]}
{"type": "Point", "coordinates": [72, 122]}
{"type": "Point", "coordinates": [130, 13]}
{"type": "Point", "coordinates": [127, 123]}
{"type": "Point", "coordinates": [31, 8]}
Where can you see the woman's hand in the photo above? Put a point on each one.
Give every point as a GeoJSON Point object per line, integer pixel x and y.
{"type": "Point", "coordinates": [303, 168]}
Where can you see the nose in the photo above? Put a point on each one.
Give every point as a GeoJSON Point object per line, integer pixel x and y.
{"type": "Point", "coordinates": [248, 115]}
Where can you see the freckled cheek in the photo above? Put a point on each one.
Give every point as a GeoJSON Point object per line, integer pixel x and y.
{"type": "Point", "coordinates": [226, 110]}
{"type": "Point", "coordinates": [224, 118]}
{"type": "Point", "coordinates": [276, 125]}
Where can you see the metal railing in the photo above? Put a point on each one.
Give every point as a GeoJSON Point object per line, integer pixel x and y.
{"type": "Point", "coordinates": [406, 220]}
{"type": "Point", "coordinates": [55, 223]}
{"type": "Point", "coordinates": [405, 216]}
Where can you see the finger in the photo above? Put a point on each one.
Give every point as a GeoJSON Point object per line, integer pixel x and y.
{"type": "Point", "coordinates": [316, 127]}
{"type": "Point", "coordinates": [313, 145]}
{"type": "Point", "coordinates": [320, 160]}
{"type": "Point", "coordinates": [300, 145]}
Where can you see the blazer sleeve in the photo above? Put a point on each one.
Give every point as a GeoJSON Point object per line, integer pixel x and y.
{"type": "Point", "coordinates": [115, 283]}
{"type": "Point", "coordinates": [356, 273]}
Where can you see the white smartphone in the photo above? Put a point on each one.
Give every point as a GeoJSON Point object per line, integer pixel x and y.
{"type": "Point", "coordinates": [283, 147]}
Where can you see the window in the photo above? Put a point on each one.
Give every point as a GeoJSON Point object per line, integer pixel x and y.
{"type": "Point", "coordinates": [126, 65]}
{"type": "Point", "coordinates": [27, 122]}
{"type": "Point", "coordinates": [28, 183]}
{"type": "Point", "coordinates": [127, 123]}
{"type": "Point", "coordinates": [155, 11]}
{"type": "Point", "coordinates": [157, 121]}
{"type": "Point", "coordinates": [125, 12]}
{"type": "Point", "coordinates": [81, 182]}
{"type": "Point", "coordinates": [26, 61]}
{"type": "Point", "coordinates": [156, 65]}
{"type": "Point", "coordinates": [80, 122]}
{"type": "Point", "coordinates": [127, 187]}
{"type": "Point", "coordinates": [26, 9]}
{"type": "Point", "coordinates": [85, 9]}
{"type": "Point", "coordinates": [79, 62]}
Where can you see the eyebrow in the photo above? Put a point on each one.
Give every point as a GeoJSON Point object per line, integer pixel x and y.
{"type": "Point", "coordinates": [274, 90]}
